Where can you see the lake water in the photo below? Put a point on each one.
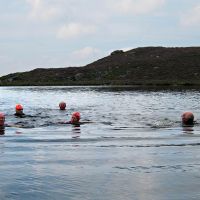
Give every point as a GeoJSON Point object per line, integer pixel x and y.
{"type": "Point", "coordinates": [135, 149]}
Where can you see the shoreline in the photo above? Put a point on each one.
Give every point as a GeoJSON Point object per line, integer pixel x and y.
{"type": "Point", "coordinates": [136, 87]}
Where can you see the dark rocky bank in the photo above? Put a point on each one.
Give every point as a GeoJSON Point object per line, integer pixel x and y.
{"type": "Point", "coordinates": [147, 66]}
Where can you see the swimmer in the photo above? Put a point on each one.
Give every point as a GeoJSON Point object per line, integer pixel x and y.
{"type": "Point", "coordinates": [187, 119]}
{"type": "Point", "coordinates": [2, 119]}
{"type": "Point", "coordinates": [19, 111]}
{"type": "Point", "coordinates": [62, 105]}
{"type": "Point", "coordinates": [2, 124]}
{"type": "Point", "coordinates": [75, 119]}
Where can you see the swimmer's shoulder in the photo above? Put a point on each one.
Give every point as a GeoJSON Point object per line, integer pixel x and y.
{"type": "Point", "coordinates": [86, 122]}
{"type": "Point", "coordinates": [20, 115]}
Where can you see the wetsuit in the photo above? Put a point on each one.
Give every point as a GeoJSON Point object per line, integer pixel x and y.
{"type": "Point", "coordinates": [21, 115]}
{"type": "Point", "coordinates": [2, 130]}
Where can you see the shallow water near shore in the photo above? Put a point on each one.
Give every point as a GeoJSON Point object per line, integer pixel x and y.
{"type": "Point", "coordinates": [135, 148]}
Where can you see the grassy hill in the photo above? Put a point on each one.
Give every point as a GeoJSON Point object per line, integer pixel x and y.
{"type": "Point", "coordinates": [147, 66]}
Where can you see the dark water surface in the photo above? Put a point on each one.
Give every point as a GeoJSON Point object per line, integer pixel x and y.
{"type": "Point", "coordinates": [135, 149]}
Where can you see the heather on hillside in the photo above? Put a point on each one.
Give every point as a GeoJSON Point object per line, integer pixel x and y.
{"type": "Point", "coordinates": [147, 66]}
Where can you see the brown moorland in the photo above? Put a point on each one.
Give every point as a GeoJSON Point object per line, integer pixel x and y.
{"type": "Point", "coordinates": [146, 66]}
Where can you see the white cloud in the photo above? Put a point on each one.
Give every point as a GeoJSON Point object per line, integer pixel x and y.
{"type": "Point", "coordinates": [42, 11]}
{"type": "Point", "coordinates": [137, 7]}
{"type": "Point", "coordinates": [31, 28]}
{"type": "Point", "coordinates": [73, 30]}
{"type": "Point", "coordinates": [86, 52]}
{"type": "Point", "coordinates": [191, 18]}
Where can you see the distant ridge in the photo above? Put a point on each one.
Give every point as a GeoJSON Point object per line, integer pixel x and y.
{"type": "Point", "coordinates": [146, 66]}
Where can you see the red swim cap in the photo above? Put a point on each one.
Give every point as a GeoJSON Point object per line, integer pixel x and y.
{"type": "Point", "coordinates": [2, 119]}
{"type": "Point", "coordinates": [62, 105]}
{"type": "Point", "coordinates": [76, 115]}
{"type": "Point", "coordinates": [187, 118]}
{"type": "Point", "coordinates": [18, 107]}
{"type": "Point", "coordinates": [2, 116]}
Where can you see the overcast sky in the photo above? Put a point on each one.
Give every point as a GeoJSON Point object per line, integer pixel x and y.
{"type": "Point", "coordinates": [62, 33]}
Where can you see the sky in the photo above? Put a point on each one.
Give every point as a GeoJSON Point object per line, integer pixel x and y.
{"type": "Point", "coordinates": [64, 33]}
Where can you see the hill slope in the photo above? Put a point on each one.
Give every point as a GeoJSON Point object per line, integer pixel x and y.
{"type": "Point", "coordinates": [140, 66]}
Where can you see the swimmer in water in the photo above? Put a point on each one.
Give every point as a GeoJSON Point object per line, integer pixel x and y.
{"type": "Point", "coordinates": [187, 119]}
{"type": "Point", "coordinates": [75, 119]}
{"type": "Point", "coordinates": [62, 105]}
{"type": "Point", "coordinates": [19, 111]}
{"type": "Point", "coordinates": [3, 124]}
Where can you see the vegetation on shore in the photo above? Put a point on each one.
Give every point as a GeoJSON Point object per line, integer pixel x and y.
{"type": "Point", "coordinates": [147, 66]}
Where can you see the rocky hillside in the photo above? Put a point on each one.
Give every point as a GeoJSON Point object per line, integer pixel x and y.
{"type": "Point", "coordinates": [157, 66]}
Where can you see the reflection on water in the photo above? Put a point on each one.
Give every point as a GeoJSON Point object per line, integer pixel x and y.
{"type": "Point", "coordinates": [76, 131]}
{"type": "Point", "coordinates": [135, 147]}
{"type": "Point", "coordinates": [188, 129]}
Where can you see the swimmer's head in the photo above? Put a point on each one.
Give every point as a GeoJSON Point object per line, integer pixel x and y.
{"type": "Point", "coordinates": [19, 109]}
{"type": "Point", "coordinates": [187, 118]}
{"type": "Point", "coordinates": [75, 117]}
{"type": "Point", "coordinates": [62, 105]}
{"type": "Point", "coordinates": [2, 119]}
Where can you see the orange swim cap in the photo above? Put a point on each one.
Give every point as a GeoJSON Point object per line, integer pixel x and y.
{"type": "Point", "coordinates": [62, 105]}
{"type": "Point", "coordinates": [2, 116]}
{"type": "Point", "coordinates": [18, 107]}
{"type": "Point", "coordinates": [76, 115]}
{"type": "Point", "coordinates": [2, 119]}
